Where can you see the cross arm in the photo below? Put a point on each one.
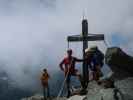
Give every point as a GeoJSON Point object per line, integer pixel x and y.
{"type": "Point", "coordinates": [90, 37]}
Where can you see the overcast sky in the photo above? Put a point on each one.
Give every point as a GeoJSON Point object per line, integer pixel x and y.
{"type": "Point", "coordinates": [33, 32]}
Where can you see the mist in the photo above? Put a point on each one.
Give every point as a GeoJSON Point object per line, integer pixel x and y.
{"type": "Point", "coordinates": [33, 32]}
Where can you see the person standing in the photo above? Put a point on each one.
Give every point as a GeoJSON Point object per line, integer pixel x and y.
{"type": "Point", "coordinates": [88, 58]}
{"type": "Point", "coordinates": [98, 61]}
{"type": "Point", "coordinates": [95, 60]}
{"type": "Point", "coordinates": [44, 80]}
{"type": "Point", "coordinates": [67, 65]}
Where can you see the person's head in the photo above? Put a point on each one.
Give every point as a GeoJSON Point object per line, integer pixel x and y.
{"type": "Point", "coordinates": [44, 70]}
{"type": "Point", "coordinates": [94, 48]}
{"type": "Point", "coordinates": [88, 52]}
{"type": "Point", "coordinates": [69, 52]}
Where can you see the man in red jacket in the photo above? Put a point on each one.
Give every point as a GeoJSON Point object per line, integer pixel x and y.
{"type": "Point", "coordinates": [67, 65]}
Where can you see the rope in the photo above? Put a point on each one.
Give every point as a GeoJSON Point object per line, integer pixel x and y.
{"type": "Point", "coordinates": [106, 44]}
{"type": "Point", "coordinates": [68, 45]}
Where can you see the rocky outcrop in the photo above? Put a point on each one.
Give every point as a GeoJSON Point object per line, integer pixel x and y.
{"type": "Point", "coordinates": [120, 63]}
{"type": "Point", "coordinates": [116, 57]}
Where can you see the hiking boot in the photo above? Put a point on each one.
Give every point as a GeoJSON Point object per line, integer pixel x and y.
{"type": "Point", "coordinates": [83, 92]}
{"type": "Point", "coordinates": [68, 94]}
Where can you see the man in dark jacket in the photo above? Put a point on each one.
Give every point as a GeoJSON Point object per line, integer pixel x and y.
{"type": "Point", "coordinates": [96, 61]}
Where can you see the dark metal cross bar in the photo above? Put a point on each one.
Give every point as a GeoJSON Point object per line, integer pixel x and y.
{"type": "Point", "coordinates": [85, 37]}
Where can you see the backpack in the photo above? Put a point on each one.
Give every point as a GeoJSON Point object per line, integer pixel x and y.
{"type": "Point", "coordinates": [99, 57]}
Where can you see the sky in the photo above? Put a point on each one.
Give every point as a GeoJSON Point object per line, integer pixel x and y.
{"type": "Point", "coordinates": [33, 32]}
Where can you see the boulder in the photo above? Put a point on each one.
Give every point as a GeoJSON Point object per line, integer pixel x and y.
{"type": "Point", "coordinates": [119, 62]}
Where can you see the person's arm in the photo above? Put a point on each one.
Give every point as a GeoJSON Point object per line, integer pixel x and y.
{"type": "Point", "coordinates": [41, 77]}
{"type": "Point", "coordinates": [48, 76]}
{"type": "Point", "coordinates": [61, 65]}
{"type": "Point", "coordinates": [78, 60]}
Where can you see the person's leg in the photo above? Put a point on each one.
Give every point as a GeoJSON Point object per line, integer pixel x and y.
{"type": "Point", "coordinates": [94, 75]}
{"type": "Point", "coordinates": [78, 75]}
{"type": "Point", "coordinates": [44, 93]}
{"type": "Point", "coordinates": [91, 75]}
{"type": "Point", "coordinates": [48, 91]}
{"type": "Point", "coordinates": [84, 85]}
{"type": "Point", "coordinates": [68, 85]}
{"type": "Point", "coordinates": [98, 72]}
{"type": "Point", "coordinates": [95, 72]}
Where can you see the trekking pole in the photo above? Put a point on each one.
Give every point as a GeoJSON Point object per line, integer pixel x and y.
{"type": "Point", "coordinates": [62, 87]}
{"type": "Point", "coordinates": [106, 44]}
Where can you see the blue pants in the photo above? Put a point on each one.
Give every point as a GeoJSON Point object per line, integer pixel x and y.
{"type": "Point", "coordinates": [68, 85]}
